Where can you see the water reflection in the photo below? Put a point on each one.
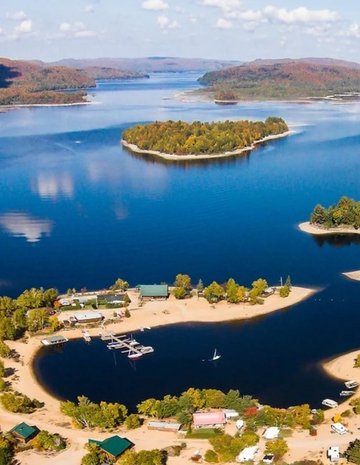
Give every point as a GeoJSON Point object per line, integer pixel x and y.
{"type": "Point", "coordinates": [53, 186]}
{"type": "Point", "coordinates": [338, 240]}
{"type": "Point", "coordinates": [23, 225]}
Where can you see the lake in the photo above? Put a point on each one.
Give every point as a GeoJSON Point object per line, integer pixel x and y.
{"type": "Point", "coordinates": [77, 210]}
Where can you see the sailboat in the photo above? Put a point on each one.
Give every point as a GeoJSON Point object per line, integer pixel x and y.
{"type": "Point", "coordinates": [216, 356]}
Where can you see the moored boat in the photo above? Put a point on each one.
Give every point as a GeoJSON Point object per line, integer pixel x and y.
{"type": "Point", "coordinates": [329, 403]}
{"type": "Point", "coordinates": [346, 393]}
{"type": "Point", "coordinates": [351, 384]}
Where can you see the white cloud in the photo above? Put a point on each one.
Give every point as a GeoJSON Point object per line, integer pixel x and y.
{"type": "Point", "coordinates": [155, 5]}
{"type": "Point", "coordinates": [222, 23]}
{"type": "Point", "coordinates": [25, 27]}
{"type": "Point", "coordinates": [76, 29]}
{"type": "Point", "coordinates": [16, 15]}
{"type": "Point", "coordinates": [224, 5]}
{"type": "Point", "coordinates": [353, 31]}
{"type": "Point", "coordinates": [165, 23]}
{"type": "Point", "coordinates": [300, 15]}
{"type": "Point", "coordinates": [89, 8]}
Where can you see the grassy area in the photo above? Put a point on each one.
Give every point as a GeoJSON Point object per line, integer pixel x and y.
{"type": "Point", "coordinates": [204, 433]}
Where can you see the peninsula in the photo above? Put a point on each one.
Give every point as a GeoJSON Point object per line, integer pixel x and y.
{"type": "Point", "coordinates": [179, 140]}
{"type": "Point", "coordinates": [341, 218]}
{"type": "Point", "coordinates": [285, 80]}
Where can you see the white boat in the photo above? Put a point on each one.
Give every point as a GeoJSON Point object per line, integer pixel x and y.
{"type": "Point", "coordinates": [146, 349]}
{"type": "Point", "coordinates": [216, 356]}
{"type": "Point", "coordinates": [346, 393]}
{"type": "Point", "coordinates": [134, 355]}
{"type": "Point", "coordinates": [351, 384]}
{"type": "Point", "coordinates": [329, 403]}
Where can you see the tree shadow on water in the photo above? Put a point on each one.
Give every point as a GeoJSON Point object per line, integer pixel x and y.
{"type": "Point", "coordinates": [7, 74]}
{"type": "Point", "coordinates": [337, 240]}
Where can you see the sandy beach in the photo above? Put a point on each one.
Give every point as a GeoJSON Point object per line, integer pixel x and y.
{"type": "Point", "coordinates": [355, 275]}
{"type": "Point", "coordinates": [316, 230]}
{"type": "Point", "coordinates": [174, 157]}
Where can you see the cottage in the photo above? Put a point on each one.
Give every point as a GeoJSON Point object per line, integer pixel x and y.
{"type": "Point", "coordinates": [24, 432]}
{"type": "Point", "coordinates": [153, 291]}
{"type": "Point", "coordinates": [164, 426]}
{"type": "Point", "coordinates": [114, 446]}
{"type": "Point", "coordinates": [209, 420]}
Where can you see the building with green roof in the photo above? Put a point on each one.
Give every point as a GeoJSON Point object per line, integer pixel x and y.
{"type": "Point", "coordinates": [154, 291]}
{"type": "Point", "coordinates": [114, 446]}
{"type": "Point", "coordinates": [24, 432]}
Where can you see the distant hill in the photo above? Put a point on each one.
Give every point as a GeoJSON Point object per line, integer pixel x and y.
{"type": "Point", "coordinates": [285, 79]}
{"type": "Point", "coordinates": [24, 82]}
{"type": "Point", "coordinates": [150, 64]}
{"type": "Point", "coordinates": [98, 72]}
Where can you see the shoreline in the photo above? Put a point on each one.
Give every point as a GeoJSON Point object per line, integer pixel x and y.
{"type": "Point", "coordinates": [37, 105]}
{"type": "Point", "coordinates": [153, 314]}
{"type": "Point", "coordinates": [169, 156]}
{"type": "Point", "coordinates": [354, 275]}
{"type": "Point", "coordinates": [316, 230]}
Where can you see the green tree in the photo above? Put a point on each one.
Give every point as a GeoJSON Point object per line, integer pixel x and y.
{"type": "Point", "coordinates": [5, 350]}
{"type": "Point", "coordinates": [133, 421]}
{"type": "Point", "coordinates": [232, 291]}
{"type": "Point", "coordinates": [120, 285]}
{"type": "Point", "coordinates": [92, 458]}
{"type": "Point", "coordinates": [49, 442]}
{"type": "Point", "coordinates": [19, 403]}
{"type": "Point", "coordinates": [6, 451]}
{"type": "Point", "coordinates": [49, 296]}
{"type": "Point", "coordinates": [352, 453]}
{"type": "Point", "coordinates": [284, 291]}
{"type": "Point", "coordinates": [38, 319]}
{"type": "Point", "coordinates": [184, 281]}
{"type": "Point", "coordinates": [211, 456]}
{"type": "Point", "coordinates": [214, 292]}
{"type": "Point", "coordinates": [277, 447]}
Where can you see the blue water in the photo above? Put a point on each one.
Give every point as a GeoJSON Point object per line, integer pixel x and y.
{"type": "Point", "coordinates": [78, 210]}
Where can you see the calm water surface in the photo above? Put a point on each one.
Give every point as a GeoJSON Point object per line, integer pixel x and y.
{"type": "Point", "coordinates": [78, 210]}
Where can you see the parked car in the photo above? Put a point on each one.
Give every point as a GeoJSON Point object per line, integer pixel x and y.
{"type": "Point", "coordinates": [268, 458]}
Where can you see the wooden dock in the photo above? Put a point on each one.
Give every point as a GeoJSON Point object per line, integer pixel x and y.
{"type": "Point", "coordinates": [126, 344]}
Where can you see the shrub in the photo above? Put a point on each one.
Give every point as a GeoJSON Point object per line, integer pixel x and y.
{"type": "Point", "coordinates": [278, 447]}
{"type": "Point", "coordinates": [127, 313]}
{"type": "Point", "coordinates": [211, 456]}
{"type": "Point", "coordinates": [357, 361]}
{"type": "Point", "coordinates": [19, 403]}
{"type": "Point", "coordinates": [133, 421]}
{"type": "Point", "coordinates": [47, 441]}
{"type": "Point", "coordinates": [284, 291]}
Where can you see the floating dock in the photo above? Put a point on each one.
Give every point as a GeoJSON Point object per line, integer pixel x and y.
{"type": "Point", "coordinates": [126, 344]}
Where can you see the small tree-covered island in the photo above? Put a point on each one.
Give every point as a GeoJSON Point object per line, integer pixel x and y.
{"type": "Point", "coordinates": [341, 218]}
{"type": "Point", "coordinates": [182, 140]}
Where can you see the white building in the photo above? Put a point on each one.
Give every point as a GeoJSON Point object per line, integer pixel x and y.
{"type": "Point", "coordinates": [333, 454]}
{"type": "Point", "coordinates": [272, 432]}
{"type": "Point", "coordinates": [247, 454]}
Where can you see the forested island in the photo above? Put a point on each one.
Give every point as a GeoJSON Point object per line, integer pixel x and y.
{"type": "Point", "coordinates": [345, 213]}
{"type": "Point", "coordinates": [341, 218]}
{"type": "Point", "coordinates": [179, 138]}
{"type": "Point", "coordinates": [285, 79]}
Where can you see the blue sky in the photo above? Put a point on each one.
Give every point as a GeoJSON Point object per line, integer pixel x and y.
{"type": "Point", "coordinates": [226, 29]}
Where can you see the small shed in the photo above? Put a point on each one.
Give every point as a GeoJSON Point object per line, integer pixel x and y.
{"type": "Point", "coordinates": [25, 432]}
{"type": "Point", "coordinates": [115, 299]}
{"type": "Point", "coordinates": [154, 291]}
{"type": "Point", "coordinates": [209, 419]}
{"type": "Point", "coordinates": [164, 426]}
{"type": "Point", "coordinates": [114, 446]}
{"type": "Point", "coordinates": [272, 432]}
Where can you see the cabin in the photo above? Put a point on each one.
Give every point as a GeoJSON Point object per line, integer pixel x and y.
{"type": "Point", "coordinates": [86, 317]}
{"type": "Point", "coordinates": [271, 433]}
{"type": "Point", "coordinates": [164, 426]}
{"type": "Point", "coordinates": [209, 420]}
{"type": "Point", "coordinates": [24, 432]}
{"type": "Point", "coordinates": [114, 446]}
{"type": "Point", "coordinates": [54, 340]}
{"type": "Point", "coordinates": [153, 291]}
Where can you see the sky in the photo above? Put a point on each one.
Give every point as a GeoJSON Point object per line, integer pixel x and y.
{"type": "Point", "coordinates": [223, 29]}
